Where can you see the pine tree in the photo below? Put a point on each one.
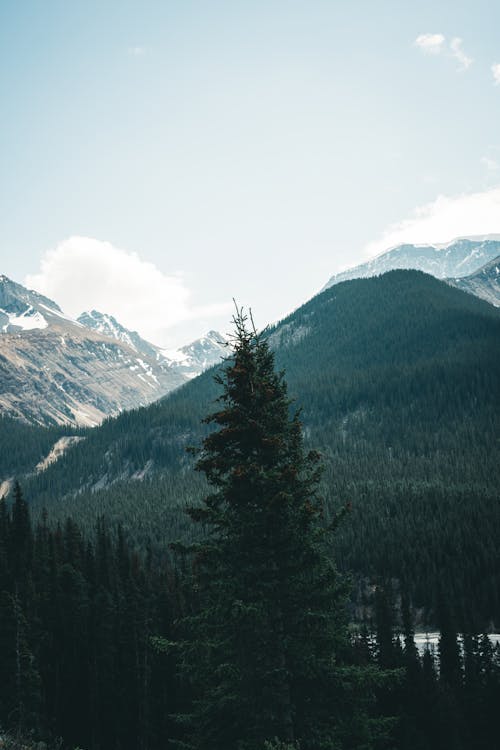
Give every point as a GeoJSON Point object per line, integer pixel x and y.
{"type": "Point", "coordinates": [20, 683]}
{"type": "Point", "coordinates": [450, 678]}
{"type": "Point", "coordinates": [21, 541]}
{"type": "Point", "coordinates": [265, 652]}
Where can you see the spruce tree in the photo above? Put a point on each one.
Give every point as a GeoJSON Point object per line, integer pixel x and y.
{"type": "Point", "coordinates": [265, 650]}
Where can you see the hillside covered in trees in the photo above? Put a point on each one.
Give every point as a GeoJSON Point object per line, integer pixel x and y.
{"type": "Point", "coordinates": [245, 643]}
{"type": "Point", "coordinates": [398, 378]}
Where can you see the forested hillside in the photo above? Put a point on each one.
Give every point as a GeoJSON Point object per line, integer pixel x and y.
{"type": "Point", "coordinates": [82, 617]}
{"type": "Point", "coordinates": [398, 378]}
{"type": "Point", "coordinates": [23, 445]}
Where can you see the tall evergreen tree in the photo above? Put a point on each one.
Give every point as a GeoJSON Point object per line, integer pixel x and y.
{"type": "Point", "coordinates": [266, 649]}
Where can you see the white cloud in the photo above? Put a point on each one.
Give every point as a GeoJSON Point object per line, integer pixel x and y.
{"type": "Point", "coordinates": [436, 44]}
{"type": "Point", "coordinates": [444, 219]}
{"type": "Point", "coordinates": [82, 273]}
{"type": "Point", "coordinates": [430, 44]}
{"type": "Point", "coordinates": [458, 53]}
{"type": "Point", "coordinates": [495, 69]}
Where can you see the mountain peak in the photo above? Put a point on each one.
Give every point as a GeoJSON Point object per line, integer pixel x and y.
{"type": "Point", "coordinates": [484, 283]}
{"type": "Point", "coordinates": [189, 360]}
{"type": "Point", "coordinates": [23, 309]}
{"type": "Point", "coordinates": [471, 238]}
{"type": "Point", "coordinates": [460, 257]}
{"type": "Point", "coordinates": [107, 325]}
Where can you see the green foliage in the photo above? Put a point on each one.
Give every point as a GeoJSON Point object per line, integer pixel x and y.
{"type": "Point", "coordinates": [399, 380]}
{"type": "Point", "coordinates": [22, 445]}
{"type": "Point", "coordinates": [266, 647]}
{"type": "Point", "coordinates": [439, 702]}
{"type": "Point", "coordinates": [76, 620]}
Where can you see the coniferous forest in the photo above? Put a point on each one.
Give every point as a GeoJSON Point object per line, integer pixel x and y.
{"type": "Point", "coordinates": [84, 622]}
{"type": "Point", "coordinates": [249, 375]}
{"type": "Point", "coordinates": [241, 635]}
{"type": "Point", "coordinates": [398, 378]}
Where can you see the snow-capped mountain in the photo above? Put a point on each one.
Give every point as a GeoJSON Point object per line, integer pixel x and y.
{"type": "Point", "coordinates": [189, 360]}
{"type": "Point", "coordinates": [109, 326]}
{"type": "Point", "coordinates": [23, 309]}
{"type": "Point", "coordinates": [484, 283]}
{"type": "Point", "coordinates": [458, 258]}
{"type": "Point", "coordinates": [206, 351]}
{"type": "Point", "coordinates": [54, 369]}
{"type": "Point", "coordinates": [199, 354]}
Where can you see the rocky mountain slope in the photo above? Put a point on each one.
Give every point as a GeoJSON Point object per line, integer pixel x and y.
{"type": "Point", "coordinates": [23, 309]}
{"type": "Point", "coordinates": [64, 373]}
{"type": "Point", "coordinates": [56, 370]}
{"type": "Point", "coordinates": [461, 257]}
{"type": "Point", "coordinates": [109, 326]}
{"type": "Point", "coordinates": [198, 355]}
{"type": "Point", "coordinates": [189, 360]}
{"type": "Point", "coordinates": [484, 283]}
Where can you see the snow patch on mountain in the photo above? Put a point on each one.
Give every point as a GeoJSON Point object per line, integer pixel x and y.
{"type": "Point", "coordinates": [197, 356]}
{"type": "Point", "coordinates": [484, 283]}
{"type": "Point", "coordinates": [14, 296]}
{"type": "Point", "coordinates": [59, 314]}
{"type": "Point", "coordinates": [460, 257]}
{"type": "Point", "coordinates": [10, 322]}
{"type": "Point", "coordinates": [57, 370]}
{"type": "Point", "coordinates": [190, 360]}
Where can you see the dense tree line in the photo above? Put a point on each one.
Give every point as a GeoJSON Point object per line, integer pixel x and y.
{"type": "Point", "coordinates": [76, 620]}
{"type": "Point", "coordinates": [80, 617]}
{"type": "Point", "coordinates": [442, 698]}
{"type": "Point", "coordinates": [399, 380]}
{"type": "Point", "coordinates": [23, 445]}
{"type": "Point", "coordinates": [245, 643]}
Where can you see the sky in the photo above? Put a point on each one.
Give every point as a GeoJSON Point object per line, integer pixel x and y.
{"type": "Point", "coordinates": [158, 159]}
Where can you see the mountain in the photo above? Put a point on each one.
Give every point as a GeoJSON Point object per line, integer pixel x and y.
{"type": "Point", "coordinates": [109, 326]}
{"type": "Point", "coordinates": [484, 283]}
{"type": "Point", "coordinates": [199, 354]}
{"type": "Point", "coordinates": [57, 370]}
{"type": "Point", "coordinates": [188, 361]}
{"type": "Point", "coordinates": [458, 258]}
{"type": "Point", "coordinates": [54, 370]}
{"type": "Point", "coordinates": [22, 309]}
{"type": "Point", "coordinates": [398, 377]}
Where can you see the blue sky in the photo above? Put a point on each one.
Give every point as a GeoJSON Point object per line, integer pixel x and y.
{"type": "Point", "coordinates": [199, 151]}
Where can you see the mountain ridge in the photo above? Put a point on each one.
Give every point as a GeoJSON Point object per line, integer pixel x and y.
{"type": "Point", "coordinates": [108, 325]}
{"type": "Point", "coordinates": [459, 257]}
{"type": "Point", "coordinates": [57, 370]}
{"type": "Point", "coordinates": [483, 283]}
